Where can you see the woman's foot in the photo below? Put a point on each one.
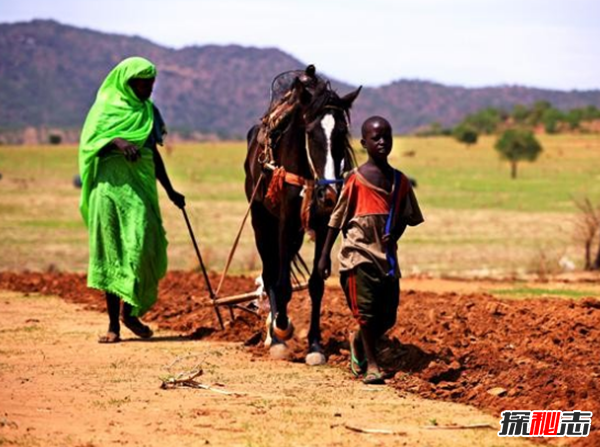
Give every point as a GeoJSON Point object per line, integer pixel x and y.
{"type": "Point", "coordinates": [137, 327]}
{"type": "Point", "coordinates": [110, 337]}
{"type": "Point", "coordinates": [373, 377]}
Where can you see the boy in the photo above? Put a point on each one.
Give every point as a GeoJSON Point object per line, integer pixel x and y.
{"type": "Point", "coordinates": [375, 206]}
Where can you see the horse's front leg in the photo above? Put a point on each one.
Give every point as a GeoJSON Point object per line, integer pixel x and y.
{"type": "Point", "coordinates": [316, 288]}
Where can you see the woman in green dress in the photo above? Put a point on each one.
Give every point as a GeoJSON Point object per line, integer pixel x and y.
{"type": "Point", "coordinates": [119, 164]}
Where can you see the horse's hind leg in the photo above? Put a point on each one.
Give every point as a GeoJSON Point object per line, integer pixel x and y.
{"type": "Point", "coordinates": [290, 239]}
{"type": "Point", "coordinates": [265, 225]}
{"type": "Point", "coordinates": [316, 288]}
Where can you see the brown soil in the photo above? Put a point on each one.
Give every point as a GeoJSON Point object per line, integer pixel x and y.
{"type": "Point", "coordinates": [543, 352]}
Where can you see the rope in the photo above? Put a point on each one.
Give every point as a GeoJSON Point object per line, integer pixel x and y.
{"type": "Point", "coordinates": [237, 238]}
{"type": "Point", "coordinates": [306, 205]}
{"type": "Point", "coordinates": [310, 161]}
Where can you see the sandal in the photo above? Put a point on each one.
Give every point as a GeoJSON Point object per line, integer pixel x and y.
{"type": "Point", "coordinates": [110, 337]}
{"type": "Point", "coordinates": [357, 367]}
{"type": "Point", "coordinates": [374, 378]}
{"type": "Point", "coordinates": [137, 327]}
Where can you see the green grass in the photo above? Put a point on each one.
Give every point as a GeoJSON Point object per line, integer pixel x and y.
{"type": "Point", "coordinates": [451, 176]}
{"type": "Point", "coordinates": [476, 216]}
{"type": "Point", "coordinates": [526, 292]}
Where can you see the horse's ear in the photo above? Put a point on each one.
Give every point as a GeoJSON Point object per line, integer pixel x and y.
{"type": "Point", "coordinates": [350, 97]}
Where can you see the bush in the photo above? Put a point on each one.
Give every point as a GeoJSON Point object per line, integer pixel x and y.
{"type": "Point", "coordinates": [465, 134]}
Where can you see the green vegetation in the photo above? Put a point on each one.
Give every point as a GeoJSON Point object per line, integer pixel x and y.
{"type": "Point", "coordinates": [465, 134]}
{"type": "Point", "coordinates": [517, 145]}
{"type": "Point", "coordinates": [486, 121]}
{"type": "Point", "coordinates": [492, 120]}
{"type": "Point", "coordinates": [476, 217]}
{"type": "Point", "coordinates": [527, 292]}
{"type": "Point", "coordinates": [476, 180]}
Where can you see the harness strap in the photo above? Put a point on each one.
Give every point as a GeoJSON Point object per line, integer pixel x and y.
{"type": "Point", "coordinates": [389, 254]}
{"type": "Point", "coordinates": [294, 179]}
{"type": "Point", "coordinates": [400, 189]}
{"type": "Point", "coordinates": [325, 182]}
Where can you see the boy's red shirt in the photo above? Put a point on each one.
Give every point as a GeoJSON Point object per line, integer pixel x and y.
{"type": "Point", "coordinates": [361, 213]}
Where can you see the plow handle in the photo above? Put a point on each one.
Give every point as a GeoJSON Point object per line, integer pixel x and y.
{"type": "Point", "coordinates": [189, 226]}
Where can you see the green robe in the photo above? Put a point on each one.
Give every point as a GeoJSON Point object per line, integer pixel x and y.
{"type": "Point", "coordinates": [119, 200]}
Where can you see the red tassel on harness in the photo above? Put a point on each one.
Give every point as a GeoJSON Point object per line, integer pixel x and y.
{"type": "Point", "coordinates": [280, 176]}
{"type": "Point", "coordinates": [276, 186]}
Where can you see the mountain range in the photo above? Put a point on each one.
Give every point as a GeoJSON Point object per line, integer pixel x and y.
{"type": "Point", "coordinates": [50, 72]}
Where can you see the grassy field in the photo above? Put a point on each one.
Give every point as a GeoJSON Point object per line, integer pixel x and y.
{"type": "Point", "coordinates": [478, 220]}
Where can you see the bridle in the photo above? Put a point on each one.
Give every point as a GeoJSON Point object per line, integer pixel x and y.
{"type": "Point", "coordinates": [316, 178]}
{"type": "Point", "coordinates": [308, 185]}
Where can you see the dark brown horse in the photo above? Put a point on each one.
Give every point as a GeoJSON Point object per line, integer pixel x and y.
{"type": "Point", "coordinates": [310, 142]}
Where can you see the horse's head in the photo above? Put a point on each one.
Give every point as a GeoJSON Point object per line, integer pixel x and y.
{"type": "Point", "coordinates": [326, 117]}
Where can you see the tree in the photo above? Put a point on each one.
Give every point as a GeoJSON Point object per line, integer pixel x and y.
{"type": "Point", "coordinates": [574, 118]}
{"type": "Point", "coordinates": [588, 226]}
{"type": "Point", "coordinates": [537, 111]}
{"type": "Point", "coordinates": [465, 134]}
{"type": "Point", "coordinates": [485, 120]}
{"type": "Point", "coordinates": [550, 118]}
{"type": "Point", "coordinates": [520, 113]}
{"type": "Point", "coordinates": [516, 145]}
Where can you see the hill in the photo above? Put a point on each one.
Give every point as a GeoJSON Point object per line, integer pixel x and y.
{"type": "Point", "coordinates": [50, 73]}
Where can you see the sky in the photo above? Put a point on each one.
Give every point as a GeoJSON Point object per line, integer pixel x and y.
{"type": "Point", "coordinates": [537, 43]}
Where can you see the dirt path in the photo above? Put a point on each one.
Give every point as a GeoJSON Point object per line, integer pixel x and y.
{"type": "Point", "coordinates": [454, 341]}
{"type": "Point", "coordinates": [59, 387]}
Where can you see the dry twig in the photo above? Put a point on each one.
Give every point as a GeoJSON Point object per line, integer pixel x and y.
{"type": "Point", "coordinates": [459, 427]}
{"type": "Point", "coordinates": [371, 431]}
{"type": "Point", "coordinates": [187, 378]}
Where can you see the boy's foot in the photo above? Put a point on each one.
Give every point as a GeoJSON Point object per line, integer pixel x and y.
{"type": "Point", "coordinates": [137, 327]}
{"type": "Point", "coordinates": [374, 378]}
{"type": "Point", "coordinates": [357, 366]}
{"type": "Point", "coordinates": [110, 337]}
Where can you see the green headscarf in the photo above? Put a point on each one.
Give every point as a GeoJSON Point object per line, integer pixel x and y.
{"type": "Point", "coordinates": [116, 113]}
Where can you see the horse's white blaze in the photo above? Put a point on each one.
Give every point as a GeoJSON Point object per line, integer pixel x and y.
{"type": "Point", "coordinates": [328, 123]}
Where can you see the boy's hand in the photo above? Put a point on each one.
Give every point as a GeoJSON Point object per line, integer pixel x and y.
{"type": "Point", "coordinates": [324, 266]}
{"type": "Point", "coordinates": [130, 150]}
{"type": "Point", "coordinates": [177, 199]}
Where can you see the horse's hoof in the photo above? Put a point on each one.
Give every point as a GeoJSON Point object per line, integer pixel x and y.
{"type": "Point", "coordinates": [268, 338]}
{"type": "Point", "coordinates": [283, 334]}
{"type": "Point", "coordinates": [279, 351]}
{"type": "Point", "coordinates": [315, 359]}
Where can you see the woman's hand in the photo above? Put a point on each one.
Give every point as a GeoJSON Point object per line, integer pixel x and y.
{"type": "Point", "coordinates": [324, 266]}
{"type": "Point", "coordinates": [129, 150]}
{"type": "Point", "coordinates": [177, 199]}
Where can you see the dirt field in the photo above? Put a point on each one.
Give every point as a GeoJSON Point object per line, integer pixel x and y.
{"type": "Point", "coordinates": [454, 342]}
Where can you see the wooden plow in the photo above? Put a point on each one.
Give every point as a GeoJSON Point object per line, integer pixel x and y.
{"type": "Point", "coordinates": [299, 276]}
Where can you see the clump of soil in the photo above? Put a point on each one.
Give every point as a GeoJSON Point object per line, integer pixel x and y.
{"type": "Point", "coordinates": [475, 349]}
